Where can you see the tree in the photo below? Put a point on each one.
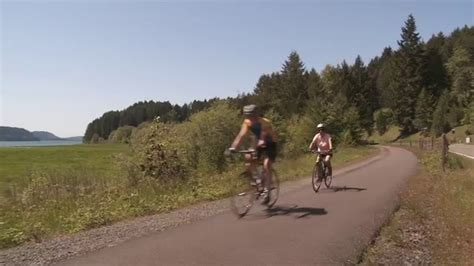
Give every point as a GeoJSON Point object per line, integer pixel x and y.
{"type": "Point", "coordinates": [424, 110]}
{"type": "Point", "coordinates": [267, 92]}
{"type": "Point", "coordinates": [436, 76]}
{"type": "Point", "coordinates": [461, 69]}
{"type": "Point", "coordinates": [407, 80]}
{"type": "Point", "coordinates": [363, 94]}
{"type": "Point", "coordinates": [382, 119]}
{"type": "Point", "coordinates": [440, 123]}
{"type": "Point", "coordinates": [293, 92]}
{"type": "Point", "coordinates": [382, 72]}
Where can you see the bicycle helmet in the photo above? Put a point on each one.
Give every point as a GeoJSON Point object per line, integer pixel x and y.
{"type": "Point", "coordinates": [250, 109]}
{"type": "Point", "coordinates": [320, 126]}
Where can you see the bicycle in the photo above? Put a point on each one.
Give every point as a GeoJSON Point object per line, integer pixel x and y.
{"type": "Point", "coordinates": [320, 172]}
{"type": "Point", "coordinates": [250, 187]}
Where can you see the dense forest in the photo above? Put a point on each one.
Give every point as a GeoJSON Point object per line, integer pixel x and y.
{"type": "Point", "coordinates": [419, 86]}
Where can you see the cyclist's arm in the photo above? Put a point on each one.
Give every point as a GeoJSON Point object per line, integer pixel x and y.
{"type": "Point", "coordinates": [311, 146]}
{"type": "Point", "coordinates": [330, 143]}
{"type": "Point", "coordinates": [243, 131]}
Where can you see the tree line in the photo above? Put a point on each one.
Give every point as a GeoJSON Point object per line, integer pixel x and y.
{"type": "Point", "coordinates": [419, 86]}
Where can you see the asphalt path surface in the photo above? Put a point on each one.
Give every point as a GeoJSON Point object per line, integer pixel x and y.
{"type": "Point", "coordinates": [463, 150]}
{"type": "Point", "coordinates": [332, 226]}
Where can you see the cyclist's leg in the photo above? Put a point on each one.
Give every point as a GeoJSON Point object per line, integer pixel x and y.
{"type": "Point", "coordinates": [267, 166]}
{"type": "Point", "coordinates": [327, 161]}
{"type": "Point", "coordinates": [249, 163]}
{"type": "Point", "coordinates": [271, 153]}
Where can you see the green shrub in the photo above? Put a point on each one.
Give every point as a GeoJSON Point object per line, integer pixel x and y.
{"type": "Point", "coordinates": [207, 135]}
{"type": "Point", "coordinates": [154, 153]}
{"type": "Point", "coordinates": [121, 134]}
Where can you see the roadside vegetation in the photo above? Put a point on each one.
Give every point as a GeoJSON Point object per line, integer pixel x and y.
{"type": "Point", "coordinates": [435, 222]}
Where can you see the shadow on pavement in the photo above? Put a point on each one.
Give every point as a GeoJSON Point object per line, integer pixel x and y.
{"type": "Point", "coordinates": [345, 188]}
{"type": "Point", "coordinates": [300, 211]}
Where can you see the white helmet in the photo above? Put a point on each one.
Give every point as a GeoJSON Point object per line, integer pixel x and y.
{"type": "Point", "coordinates": [320, 126]}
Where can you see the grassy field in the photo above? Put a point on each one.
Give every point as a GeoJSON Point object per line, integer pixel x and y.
{"type": "Point", "coordinates": [435, 222]}
{"type": "Point", "coordinates": [61, 190]}
{"type": "Point", "coordinates": [18, 163]}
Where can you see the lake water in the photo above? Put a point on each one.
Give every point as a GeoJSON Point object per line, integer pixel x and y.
{"type": "Point", "coordinates": [39, 143]}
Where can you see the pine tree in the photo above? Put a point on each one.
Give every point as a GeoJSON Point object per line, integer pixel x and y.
{"type": "Point", "coordinates": [408, 79]}
{"type": "Point", "coordinates": [440, 123]}
{"type": "Point", "coordinates": [363, 93]}
{"type": "Point", "coordinates": [293, 93]}
{"type": "Point", "coordinates": [424, 110]}
{"type": "Point", "coordinates": [436, 76]}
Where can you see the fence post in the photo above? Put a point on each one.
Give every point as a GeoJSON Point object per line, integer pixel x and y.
{"type": "Point", "coordinates": [444, 150]}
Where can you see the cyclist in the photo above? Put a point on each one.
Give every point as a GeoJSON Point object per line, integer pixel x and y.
{"type": "Point", "coordinates": [323, 143]}
{"type": "Point", "coordinates": [266, 143]}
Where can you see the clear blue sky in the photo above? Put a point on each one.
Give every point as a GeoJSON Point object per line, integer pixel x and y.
{"type": "Point", "coordinates": [64, 63]}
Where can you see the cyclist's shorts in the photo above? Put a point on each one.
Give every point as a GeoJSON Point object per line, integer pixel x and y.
{"type": "Point", "coordinates": [319, 157]}
{"type": "Point", "coordinates": [270, 151]}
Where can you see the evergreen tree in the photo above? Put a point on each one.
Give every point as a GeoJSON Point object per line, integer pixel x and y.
{"type": "Point", "coordinates": [363, 94]}
{"type": "Point", "coordinates": [440, 123]}
{"type": "Point", "coordinates": [408, 77]}
{"type": "Point", "coordinates": [384, 70]}
{"type": "Point", "coordinates": [424, 110]}
{"type": "Point", "coordinates": [293, 92]}
{"type": "Point", "coordinates": [436, 77]}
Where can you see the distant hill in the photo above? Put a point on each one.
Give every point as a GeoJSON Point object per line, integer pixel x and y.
{"type": "Point", "coordinates": [78, 138]}
{"type": "Point", "coordinates": [44, 135]}
{"type": "Point", "coordinates": [16, 134]}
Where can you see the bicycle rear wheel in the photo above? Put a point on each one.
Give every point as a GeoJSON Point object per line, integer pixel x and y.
{"type": "Point", "coordinates": [317, 177]}
{"type": "Point", "coordinates": [243, 195]}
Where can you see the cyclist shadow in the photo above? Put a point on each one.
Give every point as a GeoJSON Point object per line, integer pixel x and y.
{"type": "Point", "coordinates": [300, 212]}
{"type": "Point", "coordinates": [344, 188]}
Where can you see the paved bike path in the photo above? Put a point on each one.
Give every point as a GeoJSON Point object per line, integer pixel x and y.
{"type": "Point", "coordinates": [304, 228]}
{"type": "Point", "coordinates": [463, 150]}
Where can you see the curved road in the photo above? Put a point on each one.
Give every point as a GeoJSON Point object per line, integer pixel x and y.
{"type": "Point", "coordinates": [463, 150]}
{"type": "Point", "coordinates": [331, 227]}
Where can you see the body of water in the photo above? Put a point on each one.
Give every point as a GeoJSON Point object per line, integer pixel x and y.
{"type": "Point", "coordinates": [39, 143]}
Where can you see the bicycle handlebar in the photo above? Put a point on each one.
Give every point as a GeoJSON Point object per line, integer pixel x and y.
{"type": "Point", "coordinates": [244, 151]}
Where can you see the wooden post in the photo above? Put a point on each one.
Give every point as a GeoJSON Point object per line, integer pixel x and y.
{"type": "Point", "coordinates": [444, 150]}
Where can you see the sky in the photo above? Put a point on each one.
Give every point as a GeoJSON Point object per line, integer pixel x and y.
{"type": "Point", "coordinates": [64, 63]}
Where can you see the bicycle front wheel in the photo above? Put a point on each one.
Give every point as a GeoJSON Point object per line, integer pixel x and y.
{"type": "Point", "coordinates": [274, 189]}
{"type": "Point", "coordinates": [317, 177]}
{"type": "Point", "coordinates": [328, 178]}
{"type": "Point", "coordinates": [243, 195]}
